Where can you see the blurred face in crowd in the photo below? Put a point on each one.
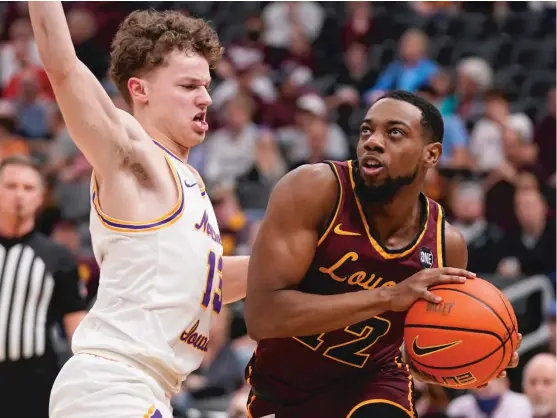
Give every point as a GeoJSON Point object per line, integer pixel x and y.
{"type": "Point", "coordinates": [254, 28]}
{"type": "Point", "coordinates": [314, 126]}
{"type": "Point", "coordinates": [359, 9]}
{"type": "Point", "coordinates": [465, 86]}
{"type": "Point", "coordinates": [67, 235]}
{"type": "Point", "coordinates": [527, 181]}
{"type": "Point", "coordinates": [494, 389]}
{"type": "Point", "coordinates": [356, 57]}
{"type": "Point", "coordinates": [441, 83]}
{"type": "Point", "coordinates": [238, 113]}
{"type": "Point", "coordinates": [21, 192]}
{"type": "Point", "coordinates": [467, 205]}
{"type": "Point", "coordinates": [81, 24]}
{"type": "Point", "coordinates": [20, 35]}
{"type": "Point", "coordinates": [530, 209]}
{"type": "Point", "coordinates": [539, 384]}
{"type": "Point", "coordinates": [413, 46]}
{"type": "Point", "coordinates": [496, 108]}
{"type": "Point", "coordinates": [299, 43]}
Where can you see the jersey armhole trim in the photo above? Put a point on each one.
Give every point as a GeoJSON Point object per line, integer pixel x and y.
{"type": "Point", "coordinates": [441, 235]}
{"type": "Point", "coordinates": [333, 216]}
{"type": "Point", "coordinates": [127, 226]}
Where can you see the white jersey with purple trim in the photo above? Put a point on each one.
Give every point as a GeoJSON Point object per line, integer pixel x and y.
{"type": "Point", "coordinates": [160, 283]}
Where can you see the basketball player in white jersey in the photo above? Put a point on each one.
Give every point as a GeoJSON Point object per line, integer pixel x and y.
{"type": "Point", "coordinates": [153, 228]}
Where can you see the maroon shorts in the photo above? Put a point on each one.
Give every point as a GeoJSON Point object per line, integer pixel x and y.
{"type": "Point", "coordinates": [346, 401]}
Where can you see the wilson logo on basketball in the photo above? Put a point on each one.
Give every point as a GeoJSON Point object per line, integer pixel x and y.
{"type": "Point", "coordinates": [426, 258]}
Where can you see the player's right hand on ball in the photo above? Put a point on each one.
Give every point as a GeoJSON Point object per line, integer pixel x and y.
{"type": "Point", "coordinates": [405, 293]}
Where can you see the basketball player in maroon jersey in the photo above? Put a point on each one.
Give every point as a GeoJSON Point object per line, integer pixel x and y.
{"type": "Point", "coordinates": [344, 250]}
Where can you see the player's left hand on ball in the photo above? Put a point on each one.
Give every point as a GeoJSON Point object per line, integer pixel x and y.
{"type": "Point", "coordinates": [512, 364]}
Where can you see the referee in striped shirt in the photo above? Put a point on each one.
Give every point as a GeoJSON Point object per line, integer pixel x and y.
{"type": "Point", "coordinates": [39, 286]}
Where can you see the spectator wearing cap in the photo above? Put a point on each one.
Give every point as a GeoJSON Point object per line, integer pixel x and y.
{"type": "Point", "coordinates": [410, 71]}
{"type": "Point", "coordinates": [313, 139]}
{"type": "Point", "coordinates": [474, 77]}
{"type": "Point", "coordinates": [487, 140]}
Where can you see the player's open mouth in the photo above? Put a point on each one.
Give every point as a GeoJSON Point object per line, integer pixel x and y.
{"type": "Point", "coordinates": [199, 123]}
{"type": "Point", "coordinates": [371, 166]}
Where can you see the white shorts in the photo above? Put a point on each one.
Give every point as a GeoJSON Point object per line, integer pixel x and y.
{"type": "Point", "coordinates": [93, 387]}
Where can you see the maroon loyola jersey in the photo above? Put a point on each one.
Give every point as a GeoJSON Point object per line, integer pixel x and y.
{"type": "Point", "coordinates": [347, 259]}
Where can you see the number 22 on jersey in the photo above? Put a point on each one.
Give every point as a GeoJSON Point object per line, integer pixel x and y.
{"type": "Point", "coordinates": [214, 296]}
{"type": "Point", "coordinates": [352, 352]}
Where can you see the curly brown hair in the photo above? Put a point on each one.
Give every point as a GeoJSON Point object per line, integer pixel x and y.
{"type": "Point", "coordinates": [146, 37]}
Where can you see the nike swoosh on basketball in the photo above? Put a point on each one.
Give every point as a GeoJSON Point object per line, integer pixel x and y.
{"type": "Point", "coordinates": [189, 185]}
{"type": "Point", "coordinates": [339, 231]}
{"type": "Point", "coordinates": [424, 351]}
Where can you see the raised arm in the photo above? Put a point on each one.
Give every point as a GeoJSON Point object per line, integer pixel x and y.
{"type": "Point", "coordinates": [283, 251]}
{"type": "Point", "coordinates": [100, 130]}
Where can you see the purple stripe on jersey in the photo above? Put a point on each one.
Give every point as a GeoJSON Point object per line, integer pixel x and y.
{"type": "Point", "coordinates": [140, 227]}
{"type": "Point", "coordinates": [167, 151]}
{"type": "Point", "coordinates": [156, 414]}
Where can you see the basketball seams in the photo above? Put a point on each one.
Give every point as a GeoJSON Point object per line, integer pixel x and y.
{"type": "Point", "coordinates": [502, 345]}
{"type": "Point", "coordinates": [509, 331]}
{"type": "Point", "coordinates": [513, 321]}
{"type": "Point", "coordinates": [501, 350]}
{"type": "Point", "coordinates": [479, 300]}
{"type": "Point", "coordinates": [449, 328]}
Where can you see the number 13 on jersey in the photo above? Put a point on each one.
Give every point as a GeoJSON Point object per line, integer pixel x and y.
{"type": "Point", "coordinates": [214, 262]}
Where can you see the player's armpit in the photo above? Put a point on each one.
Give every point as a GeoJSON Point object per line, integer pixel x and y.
{"type": "Point", "coordinates": [234, 278]}
{"type": "Point", "coordinates": [93, 121]}
{"type": "Point", "coordinates": [283, 252]}
{"type": "Point", "coordinates": [455, 248]}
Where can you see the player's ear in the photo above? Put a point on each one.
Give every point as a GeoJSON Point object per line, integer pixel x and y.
{"type": "Point", "coordinates": [138, 90]}
{"type": "Point", "coordinates": [432, 153]}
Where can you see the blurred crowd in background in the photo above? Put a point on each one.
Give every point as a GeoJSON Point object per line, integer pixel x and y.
{"type": "Point", "coordinates": [295, 82]}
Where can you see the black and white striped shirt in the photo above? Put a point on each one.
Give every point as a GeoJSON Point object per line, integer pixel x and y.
{"type": "Point", "coordinates": [39, 284]}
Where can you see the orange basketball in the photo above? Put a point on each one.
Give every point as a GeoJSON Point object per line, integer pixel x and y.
{"type": "Point", "coordinates": [464, 341]}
